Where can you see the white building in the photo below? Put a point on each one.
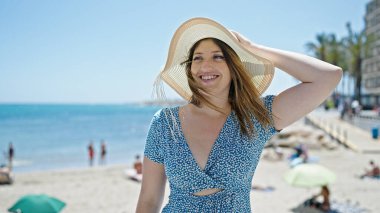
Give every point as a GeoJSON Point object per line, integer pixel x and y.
{"type": "Point", "coordinates": [371, 65]}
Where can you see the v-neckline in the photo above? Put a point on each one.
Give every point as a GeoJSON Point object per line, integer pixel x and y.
{"type": "Point", "coordinates": [213, 147]}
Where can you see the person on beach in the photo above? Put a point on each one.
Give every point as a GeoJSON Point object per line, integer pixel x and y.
{"type": "Point", "coordinates": [373, 172]}
{"type": "Point", "coordinates": [11, 154]}
{"type": "Point", "coordinates": [209, 148]}
{"type": "Point", "coordinates": [323, 205]}
{"type": "Point", "coordinates": [103, 152]}
{"type": "Point", "coordinates": [137, 165]}
{"type": "Point", "coordinates": [299, 156]}
{"type": "Point", "coordinates": [135, 174]}
{"type": "Point", "coordinates": [91, 153]}
{"type": "Point", "coordinates": [344, 108]}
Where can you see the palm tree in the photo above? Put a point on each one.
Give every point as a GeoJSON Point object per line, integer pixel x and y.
{"type": "Point", "coordinates": [357, 47]}
{"type": "Point", "coordinates": [319, 49]}
{"type": "Point", "coordinates": [335, 53]}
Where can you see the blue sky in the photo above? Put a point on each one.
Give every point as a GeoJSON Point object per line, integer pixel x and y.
{"type": "Point", "coordinates": [82, 51]}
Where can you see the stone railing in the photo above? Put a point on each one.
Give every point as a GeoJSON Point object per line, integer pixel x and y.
{"type": "Point", "coordinates": [335, 131]}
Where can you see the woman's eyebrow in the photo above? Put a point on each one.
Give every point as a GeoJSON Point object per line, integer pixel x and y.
{"type": "Point", "coordinates": [215, 51]}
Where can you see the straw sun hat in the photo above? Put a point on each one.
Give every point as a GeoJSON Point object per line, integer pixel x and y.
{"type": "Point", "coordinates": [260, 69]}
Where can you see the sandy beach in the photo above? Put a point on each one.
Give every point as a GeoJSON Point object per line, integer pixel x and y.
{"type": "Point", "coordinates": [106, 189]}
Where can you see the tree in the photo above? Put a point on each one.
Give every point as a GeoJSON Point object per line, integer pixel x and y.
{"type": "Point", "coordinates": [319, 49]}
{"type": "Point", "coordinates": [357, 47]}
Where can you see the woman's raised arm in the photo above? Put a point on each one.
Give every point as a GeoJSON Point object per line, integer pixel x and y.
{"type": "Point", "coordinates": [318, 80]}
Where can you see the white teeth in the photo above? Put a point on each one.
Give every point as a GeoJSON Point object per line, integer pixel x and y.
{"type": "Point", "coordinates": [208, 77]}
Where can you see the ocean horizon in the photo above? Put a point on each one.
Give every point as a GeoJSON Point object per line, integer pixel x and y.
{"type": "Point", "coordinates": [55, 136]}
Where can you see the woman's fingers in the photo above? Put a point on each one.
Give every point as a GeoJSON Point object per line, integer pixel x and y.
{"type": "Point", "coordinates": [242, 39]}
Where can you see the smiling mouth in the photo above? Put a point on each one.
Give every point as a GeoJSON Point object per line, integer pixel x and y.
{"type": "Point", "coordinates": [208, 77]}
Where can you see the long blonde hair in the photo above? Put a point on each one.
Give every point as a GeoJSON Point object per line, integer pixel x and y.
{"type": "Point", "coordinates": [243, 96]}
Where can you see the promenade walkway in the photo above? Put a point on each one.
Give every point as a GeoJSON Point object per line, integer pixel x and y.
{"type": "Point", "coordinates": [351, 136]}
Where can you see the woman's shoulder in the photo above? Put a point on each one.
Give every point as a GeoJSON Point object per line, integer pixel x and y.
{"type": "Point", "coordinates": [165, 110]}
{"type": "Point", "coordinates": [166, 114]}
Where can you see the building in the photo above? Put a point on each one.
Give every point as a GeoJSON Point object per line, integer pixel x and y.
{"type": "Point", "coordinates": [371, 65]}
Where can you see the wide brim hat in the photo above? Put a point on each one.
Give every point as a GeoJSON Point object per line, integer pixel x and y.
{"type": "Point", "coordinates": [260, 69]}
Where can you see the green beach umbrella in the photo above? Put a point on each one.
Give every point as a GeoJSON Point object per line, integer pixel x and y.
{"type": "Point", "coordinates": [309, 175]}
{"type": "Point", "coordinates": [37, 204]}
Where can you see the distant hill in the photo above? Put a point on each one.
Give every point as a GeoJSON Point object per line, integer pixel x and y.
{"type": "Point", "coordinates": [172, 102]}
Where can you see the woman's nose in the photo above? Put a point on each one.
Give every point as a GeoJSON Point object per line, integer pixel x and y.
{"type": "Point", "coordinates": [206, 64]}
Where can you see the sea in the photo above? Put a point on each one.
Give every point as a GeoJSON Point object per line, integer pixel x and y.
{"type": "Point", "coordinates": [56, 136]}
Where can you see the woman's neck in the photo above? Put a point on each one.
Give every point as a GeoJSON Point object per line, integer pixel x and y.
{"type": "Point", "coordinates": [224, 108]}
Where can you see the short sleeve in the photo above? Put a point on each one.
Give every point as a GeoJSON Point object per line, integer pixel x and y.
{"type": "Point", "coordinates": [268, 102]}
{"type": "Point", "coordinates": [153, 145]}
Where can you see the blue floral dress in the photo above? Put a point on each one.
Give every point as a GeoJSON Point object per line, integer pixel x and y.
{"type": "Point", "coordinates": [230, 166]}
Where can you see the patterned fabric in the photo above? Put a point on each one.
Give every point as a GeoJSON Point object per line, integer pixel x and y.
{"type": "Point", "coordinates": [230, 166]}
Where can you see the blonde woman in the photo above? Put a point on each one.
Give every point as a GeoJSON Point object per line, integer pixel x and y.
{"type": "Point", "coordinates": [208, 149]}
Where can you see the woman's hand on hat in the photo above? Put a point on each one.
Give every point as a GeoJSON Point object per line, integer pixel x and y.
{"type": "Point", "coordinates": [242, 39]}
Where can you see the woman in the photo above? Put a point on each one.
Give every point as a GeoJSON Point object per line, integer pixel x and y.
{"type": "Point", "coordinates": [324, 206]}
{"type": "Point", "coordinates": [208, 149]}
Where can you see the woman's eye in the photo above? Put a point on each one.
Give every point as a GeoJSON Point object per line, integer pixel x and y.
{"type": "Point", "coordinates": [197, 58]}
{"type": "Point", "coordinates": [219, 57]}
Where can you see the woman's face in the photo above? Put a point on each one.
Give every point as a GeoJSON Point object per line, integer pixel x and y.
{"type": "Point", "coordinates": [209, 68]}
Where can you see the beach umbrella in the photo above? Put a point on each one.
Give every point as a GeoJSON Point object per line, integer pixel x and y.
{"type": "Point", "coordinates": [40, 203]}
{"type": "Point", "coordinates": [309, 175]}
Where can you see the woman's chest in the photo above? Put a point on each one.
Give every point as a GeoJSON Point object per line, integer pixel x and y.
{"type": "Point", "coordinates": [230, 157]}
